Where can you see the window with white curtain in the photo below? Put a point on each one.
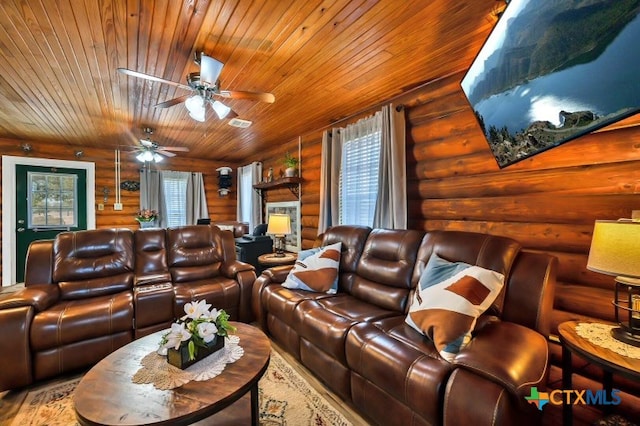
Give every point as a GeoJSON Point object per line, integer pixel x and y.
{"type": "Point", "coordinates": [245, 192]}
{"type": "Point", "coordinates": [249, 201]}
{"type": "Point", "coordinates": [359, 172]}
{"type": "Point", "coordinates": [175, 188]}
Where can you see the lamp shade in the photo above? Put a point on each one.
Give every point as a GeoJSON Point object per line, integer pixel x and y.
{"type": "Point", "coordinates": [221, 109]}
{"type": "Point", "coordinates": [615, 248]}
{"type": "Point", "coordinates": [196, 107]}
{"type": "Point", "coordinates": [279, 224]}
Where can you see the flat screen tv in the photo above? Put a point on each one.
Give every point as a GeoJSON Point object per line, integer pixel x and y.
{"type": "Point", "coordinates": [551, 71]}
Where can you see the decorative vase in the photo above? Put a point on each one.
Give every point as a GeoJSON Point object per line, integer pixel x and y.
{"type": "Point", "coordinates": [147, 224]}
{"type": "Point", "coordinates": [290, 172]}
{"type": "Point", "coordinates": [180, 357]}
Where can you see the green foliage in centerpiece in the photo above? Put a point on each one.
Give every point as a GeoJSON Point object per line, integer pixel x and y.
{"type": "Point", "coordinates": [198, 328]}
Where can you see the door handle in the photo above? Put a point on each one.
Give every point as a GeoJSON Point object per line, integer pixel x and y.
{"type": "Point", "coordinates": [20, 229]}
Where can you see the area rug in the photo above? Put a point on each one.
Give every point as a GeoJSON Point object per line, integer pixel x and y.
{"type": "Point", "coordinates": [285, 399]}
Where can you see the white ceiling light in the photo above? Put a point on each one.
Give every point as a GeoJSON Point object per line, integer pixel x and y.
{"type": "Point", "coordinates": [221, 109]}
{"type": "Point", "coordinates": [148, 156]}
{"type": "Point", "coordinates": [196, 106]}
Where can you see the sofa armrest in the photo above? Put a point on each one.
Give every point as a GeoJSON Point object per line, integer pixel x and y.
{"type": "Point", "coordinates": [15, 351]}
{"type": "Point", "coordinates": [274, 275]}
{"type": "Point", "coordinates": [39, 296]}
{"type": "Point", "coordinates": [509, 354]}
{"type": "Point", "coordinates": [233, 268]}
{"type": "Point", "coordinates": [277, 274]}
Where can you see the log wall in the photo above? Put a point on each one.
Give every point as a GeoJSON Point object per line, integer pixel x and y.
{"type": "Point", "coordinates": [220, 208]}
{"type": "Point", "coordinates": [548, 202]}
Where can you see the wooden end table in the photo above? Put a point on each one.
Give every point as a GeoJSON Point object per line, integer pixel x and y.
{"type": "Point", "coordinates": [107, 396]}
{"type": "Point", "coordinates": [610, 362]}
{"type": "Point", "coordinates": [270, 259]}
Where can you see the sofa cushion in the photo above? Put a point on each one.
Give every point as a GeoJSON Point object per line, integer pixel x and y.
{"type": "Point", "coordinates": [93, 263]}
{"type": "Point", "coordinates": [448, 300]}
{"type": "Point", "coordinates": [316, 270]}
{"type": "Point", "coordinates": [72, 321]}
{"type": "Point", "coordinates": [410, 373]}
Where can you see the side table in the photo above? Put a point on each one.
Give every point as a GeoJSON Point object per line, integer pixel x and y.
{"type": "Point", "coordinates": [608, 360]}
{"type": "Point", "coordinates": [270, 259]}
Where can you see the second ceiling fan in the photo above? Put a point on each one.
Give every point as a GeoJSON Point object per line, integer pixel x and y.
{"type": "Point", "coordinates": [206, 86]}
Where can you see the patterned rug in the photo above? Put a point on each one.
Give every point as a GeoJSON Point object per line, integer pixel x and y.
{"type": "Point", "coordinates": [285, 399]}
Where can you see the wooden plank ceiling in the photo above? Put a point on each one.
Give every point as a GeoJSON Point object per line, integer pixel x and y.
{"type": "Point", "coordinates": [323, 61]}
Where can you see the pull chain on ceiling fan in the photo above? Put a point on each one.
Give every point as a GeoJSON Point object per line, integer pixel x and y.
{"type": "Point", "coordinates": [206, 85]}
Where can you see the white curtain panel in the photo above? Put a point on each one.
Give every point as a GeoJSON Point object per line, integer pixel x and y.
{"type": "Point", "coordinates": [249, 201]}
{"type": "Point", "coordinates": [150, 193]}
{"type": "Point", "coordinates": [330, 180]}
{"type": "Point", "coordinates": [196, 198]}
{"type": "Point", "coordinates": [391, 203]}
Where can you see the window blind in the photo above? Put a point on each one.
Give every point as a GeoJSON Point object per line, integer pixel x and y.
{"type": "Point", "coordinates": [359, 179]}
{"type": "Point", "coordinates": [175, 190]}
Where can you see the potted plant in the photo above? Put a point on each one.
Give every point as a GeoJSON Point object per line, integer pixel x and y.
{"type": "Point", "coordinates": [146, 218]}
{"type": "Point", "coordinates": [291, 164]}
{"type": "Point", "coordinates": [199, 333]}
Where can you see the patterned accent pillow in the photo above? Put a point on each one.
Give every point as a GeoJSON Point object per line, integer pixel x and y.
{"type": "Point", "coordinates": [316, 270]}
{"type": "Point", "coordinates": [449, 299]}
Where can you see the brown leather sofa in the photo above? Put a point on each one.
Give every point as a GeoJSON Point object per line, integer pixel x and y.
{"type": "Point", "coordinates": [238, 228]}
{"type": "Point", "coordinates": [88, 293]}
{"type": "Point", "coordinates": [359, 345]}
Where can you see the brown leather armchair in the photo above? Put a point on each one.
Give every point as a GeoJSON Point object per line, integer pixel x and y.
{"type": "Point", "coordinates": [83, 312]}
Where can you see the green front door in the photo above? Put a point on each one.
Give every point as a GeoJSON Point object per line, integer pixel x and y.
{"type": "Point", "coordinates": [49, 200]}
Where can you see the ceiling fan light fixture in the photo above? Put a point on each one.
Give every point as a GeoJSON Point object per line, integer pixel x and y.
{"type": "Point", "coordinates": [157, 157]}
{"type": "Point", "coordinates": [148, 156]}
{"type": "Point", "coordinates": [198, 116]}
{"type": "Point", "coordinates": [196, 107]}
{"type": "Point", "coordinates": [140, 157]}
{"type": "Point", "coordinates": [221, 109]}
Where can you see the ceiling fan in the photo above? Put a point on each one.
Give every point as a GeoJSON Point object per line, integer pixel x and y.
{"type": "Point", "coordinates": [150, 151]}
{"type": "Point", "coordinates": [205, 88]}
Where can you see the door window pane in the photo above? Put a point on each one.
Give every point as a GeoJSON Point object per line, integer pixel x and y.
{"type": "Point", "coordinates": [53, 200]}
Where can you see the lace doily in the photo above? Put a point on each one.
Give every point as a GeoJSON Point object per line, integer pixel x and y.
{"type": "Point", "coordinates": [157, 371]}
{"type": "Point", "coordinates": [600, 335]}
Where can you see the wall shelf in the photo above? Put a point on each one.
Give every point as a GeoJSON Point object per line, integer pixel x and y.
{"type": "Point", "coordinates": [293, 183]}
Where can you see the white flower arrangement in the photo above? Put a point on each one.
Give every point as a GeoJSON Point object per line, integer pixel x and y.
{"type": "Point", "coordinates": [198, 327]}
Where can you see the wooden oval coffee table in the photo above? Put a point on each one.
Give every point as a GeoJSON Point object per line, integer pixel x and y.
{"type": "Point", "coordinates": [107, 396]}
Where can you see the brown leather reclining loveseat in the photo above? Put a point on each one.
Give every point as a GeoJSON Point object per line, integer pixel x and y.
{"type": "Point", "coordinates": [88, 293]}
{"type": "Point", "coordinates": [357, 341]}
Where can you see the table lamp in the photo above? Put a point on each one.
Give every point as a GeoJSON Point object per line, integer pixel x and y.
{"type": "Point", "coordinates": [279, 225]}
{"type": "Point", "coordinates": [615, 250]}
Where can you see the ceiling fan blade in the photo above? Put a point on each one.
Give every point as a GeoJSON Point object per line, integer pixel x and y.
{"type": "Point", "coordinates": [210, 69]}
{"type": "Point", "coordinates": [254, 96]}
{"type": "Point", "coordinates": [152, 78]}
{"type": "Point", "coordinates": [172, 102]}
{"type": "Point", "coordinates": [165, 153]}
{"type": "Point", "coordinates": [173, 148]}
